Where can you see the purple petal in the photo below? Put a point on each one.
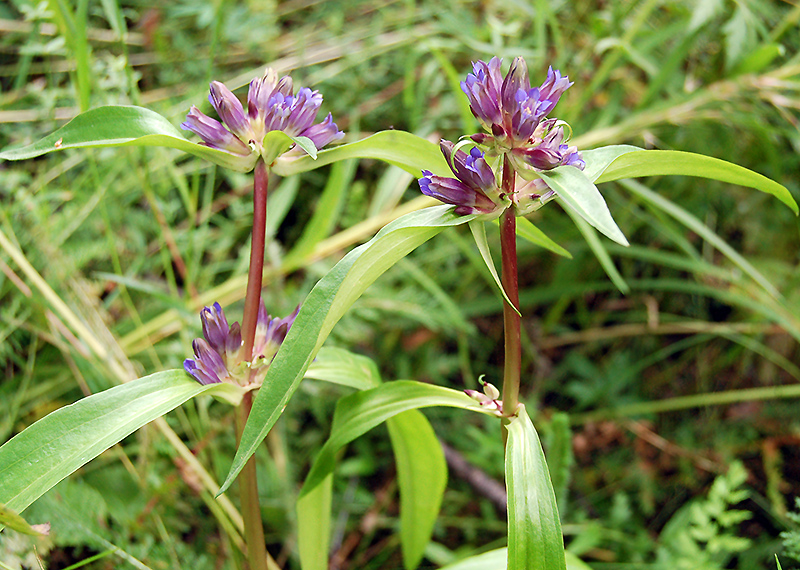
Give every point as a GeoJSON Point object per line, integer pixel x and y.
{"type": "Point", "coordinates": [323, 133]}
{"type": "Point", "coordinates": [213, 133]}
{"type": "Point", "coordinates": [229, 109]}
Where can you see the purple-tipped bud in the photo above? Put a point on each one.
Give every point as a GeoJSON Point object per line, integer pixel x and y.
{"type": "Point", "coordinates": [323, 133]}
{"type": "Point", "coordinates": [270, 332]}
{"type": "Point", "coordinates": [482, 88]}
{"type": "Point", "coordinates": [208, 367]}
{"type": "Point", "coordinates": [215, 327]}
{"type": "Point", "coordinates": [213, 133]}
{"type": "Point", "coordinates": [473, 191]}
{"type": "Point", "coordinates": [230, 110]}
{"type": "Point", "coordinates": [551, 152]}
{"type": "Point", "coordinates": [554, 86]}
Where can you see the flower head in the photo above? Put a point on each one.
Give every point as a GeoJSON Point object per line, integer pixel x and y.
{"type": "Point", "coordinates": [474, 190]}
{"type": "Point", "coordinates": [272, 105]}
{"type": "Point", "coordinates": [509, 108]}
{"type": "Point", "coordinates": [218, 355]}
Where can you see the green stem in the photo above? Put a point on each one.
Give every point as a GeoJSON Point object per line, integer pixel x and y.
{"type": "Point", "coordinates": [511, 319]}
{"type": "Point", "coordinates": [248, 482]}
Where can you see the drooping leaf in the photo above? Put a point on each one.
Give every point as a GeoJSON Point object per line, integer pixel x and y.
{"type": "Point", "coordinates": [422, 477]}
{"type": "Point", "coordinates": [535, 541]}
{"type": "Point", "coordinates": [526, 229]}
{"type": "Point", "coordinates": [579, 193]}
{"type": "Point", "coordinates": [360, 412]}
{"type": "Point", "coordinates": [125, 126]}
{"type": "Point", "coordinates": [326, 303]}
{"type": "Point", "coordinates": [340, 366]}
{"type": "Point", "coordinates": [479, 234]}
{"type": "Point", "coordinates": [40, 456]}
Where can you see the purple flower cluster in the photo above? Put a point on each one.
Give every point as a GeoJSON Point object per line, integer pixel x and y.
{"type": "Point", "coordinates": [218, 355]}
{"type": "Point", "coordinates": [515, 113]}
{"type": "Point", "coordinates": [272, 105]}
{"type": "Point", "coordinates": [473, 191]}
{"type": "Point", "coordinates": [515, 116]}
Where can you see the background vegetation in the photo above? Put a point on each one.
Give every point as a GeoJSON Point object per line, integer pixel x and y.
{"type": "Point", "coordinates": [680, 394]}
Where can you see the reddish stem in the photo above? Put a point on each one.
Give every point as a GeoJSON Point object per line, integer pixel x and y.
{"type": "Point", "coordinates": [255, 275]}
{"type": "Point", "coordinates": [511, 319]}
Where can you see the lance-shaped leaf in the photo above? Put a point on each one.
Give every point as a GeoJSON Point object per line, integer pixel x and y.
{"type": "Point", "coordinates": [326, 303]}
{"type": "Point", "coordinates": [663, 162]}
{"type": "Point", "coordinates": [37, 458]}
{"type": "Point", "coordinates": [580, 194]}
{"type": "Point", "coordinates": [535, 541]}
{"type": "Point", "coordinates": [12, 520]}
{"type": "Point", "coordinates": [421, 469]}
{"type": "Point", "coordinates": [498, 559]}
{"type": "Point", "coordinates": [360, 412]}
{"type": "Point", "coordinates": [409, 152]}
{"type": "Point", "coordinates": [127, 126]}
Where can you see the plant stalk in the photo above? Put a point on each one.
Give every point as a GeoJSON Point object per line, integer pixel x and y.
{"type": "Point", "coordinates": [511, 320]}
{"type": "Point", "coordinates": [248, 482]}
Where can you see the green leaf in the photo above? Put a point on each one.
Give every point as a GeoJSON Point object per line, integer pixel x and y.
{"type": "Point", "coordinates": [497, 560]}
{"type": "Point", "coordinates": [409, 152]}
{"type": "Point", "coordinates": [580, 194]}
{"type": "Point", "coordinates": [526, 229]}
{"type": "Point", "coordinates": [14, 521]}
{"type": "Point", "coordinates": [598, 160]}
{"type": "Point", "coordinates": [125, 126]}
{"type": "Point", "coordinates": [340, 366]}
{"type": "Point", "coordinates": [479, 234]}
{"type": "Point", "coordinates": [43, 454]}
{"type": "Point", "coordinates": [673, 162]}
{"type": "Point", "coordinates": [326, 303]}
{"type": "Point", "coordinates": [314, 526]}
{"type": "Point", "coordinates": [307, 145]}
{"type": "Point", "coordinates": [422, 476]}
{"type": "Point", "coordinates": [535, 541]}
{"type": "Point", "coordinates": [360, 412]}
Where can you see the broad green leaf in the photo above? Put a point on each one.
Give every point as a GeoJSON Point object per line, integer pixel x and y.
{"type": "Point", "coordinates": [409, 152]}
{"type": "Point", "coordinates": [526, 229]}
{"type": "Point", "coordinates": [497, 560]}
{"type": "Point", "coordinates": [422, 476]}
{"type": "Point", "coordinates": [479, 234]}
{"type": "Point", "coordinates": [672, 162]}
{"type": "Point", "coordinates": [535, 541]}
{"type": "Point", "coordinates": [340, 366]}
{"type": "Point", "coordinates": [580, 194]}
{"type": "Point", "coordinates": [43, 454]}
{"type": "Point", "coordinates": [125, 126]}
{"type": "Point", "coordinates": [600, 252]}
{"type": "Point", "coordinates": [314, 526]}
{"type": "Point", "coordinates": [326, 303]}
{"type": "Point", "coordinates": [12, 520]}
{"type": "Point", "coordinates": [360, 412]}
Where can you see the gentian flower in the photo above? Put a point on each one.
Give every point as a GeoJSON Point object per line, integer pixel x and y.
{"type": "Point", "coordinates": [516, 118]}
{"type": "Point", "coordinates": [272, 105]}
{"type": "Point", "coordinates": [474, 190]}
{"type": "Point", "coordinates": [218, 355]}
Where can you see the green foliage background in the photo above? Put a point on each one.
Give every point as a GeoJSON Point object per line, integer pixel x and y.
{"type": "Point", "coordinates": [133, 241]}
